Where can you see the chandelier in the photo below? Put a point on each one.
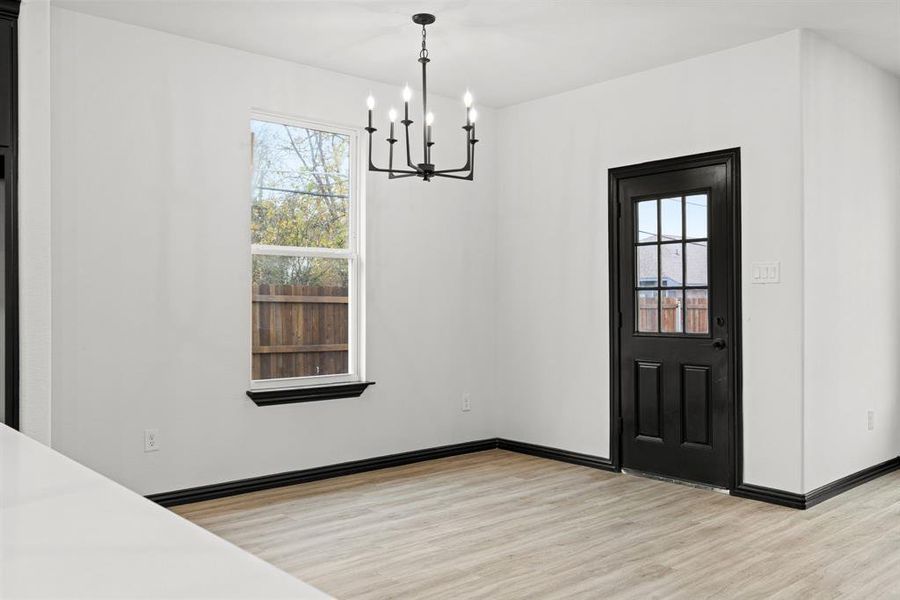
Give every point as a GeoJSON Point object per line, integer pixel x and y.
{"type": "Point", "coordinates": [425, 169]}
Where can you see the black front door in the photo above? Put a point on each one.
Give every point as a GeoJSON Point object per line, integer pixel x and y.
{"type": "Point", "coordinates": [675, 258]}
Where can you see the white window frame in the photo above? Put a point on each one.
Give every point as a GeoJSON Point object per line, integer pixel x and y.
{"type": "Point", "coordinates": [353, 253]}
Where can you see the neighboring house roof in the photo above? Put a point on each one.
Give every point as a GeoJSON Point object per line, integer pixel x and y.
{"type": "Point", "coordinates": [671, 262]}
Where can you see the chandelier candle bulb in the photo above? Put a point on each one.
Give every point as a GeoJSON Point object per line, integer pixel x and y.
{"type": "Point", "coordinates": [370, 103]}
{"type": "Point", "coordinates": [467, 100]}
{"type": "Point", "coordinates": [392, 116]}
{"type": "Point", "coordinates": [407, 95]}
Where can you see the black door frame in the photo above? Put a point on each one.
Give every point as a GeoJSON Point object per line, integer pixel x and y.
{"type": "Point", "coordinates": [731, 158]}
{"type": "Point", "coordinates": [9, 13]}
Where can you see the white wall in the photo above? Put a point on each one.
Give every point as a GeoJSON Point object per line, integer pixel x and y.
{"type": "Point", "coordinates": [851, 136]}
{"type": "Point", "coordinates": [553, 338]}
{"type": "Point", "coordinates": [34, 219]}
{"type": "Point", "coordinates": [151, 268]}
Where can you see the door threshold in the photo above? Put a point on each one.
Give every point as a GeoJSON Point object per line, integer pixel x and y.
{"type": "Point", "coordinates": [693, 484]}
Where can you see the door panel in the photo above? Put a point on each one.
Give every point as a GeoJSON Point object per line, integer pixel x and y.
{"type": "Point", "coordinates": [674, 258]}
{"type": "Point", "coordinates": [649, 413]}
{"type": "Point", "coordinates": [695, 405]}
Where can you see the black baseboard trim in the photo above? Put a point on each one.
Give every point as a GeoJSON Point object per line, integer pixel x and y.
{"type": "Point", "coordinates": [265, 482]}
{"type": "Point", "coordinates": [830, 490]}
{"type": "Point", "coordinates": [770, 495]}
{"type": "Point", "coordinates": [810, 499]}
{"type": "Point", "coordinates": [576, 458]}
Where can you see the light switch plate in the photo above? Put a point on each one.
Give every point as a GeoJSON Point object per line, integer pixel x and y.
{"type": "Point", "coordinates": [765, 272]}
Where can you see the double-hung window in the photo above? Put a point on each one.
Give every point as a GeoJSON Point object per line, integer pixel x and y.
{"type": "Point", "coordinates": [305, 255]}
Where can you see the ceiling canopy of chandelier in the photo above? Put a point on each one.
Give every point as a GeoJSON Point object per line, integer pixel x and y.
{"type": "Point", "coordinates": [425, 169]}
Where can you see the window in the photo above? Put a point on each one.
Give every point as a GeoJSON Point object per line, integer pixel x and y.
{"type": "Point", "coordinates": [672, 280]}
{"type": "Point", "coordinates": [305, 255]}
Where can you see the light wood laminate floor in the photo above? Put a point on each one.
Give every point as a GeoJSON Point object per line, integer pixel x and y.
{"type": "Point", "coordinates": [501, 525]}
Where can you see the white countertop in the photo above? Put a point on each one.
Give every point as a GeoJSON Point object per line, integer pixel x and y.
{"type": "Point", "coordinates": [68, 532]}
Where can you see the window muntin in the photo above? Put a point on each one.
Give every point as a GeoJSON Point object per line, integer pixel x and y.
{"type": "Point", "coordinates": [305, 260]}
{"type": "Point", "coordinates": [672, 265]}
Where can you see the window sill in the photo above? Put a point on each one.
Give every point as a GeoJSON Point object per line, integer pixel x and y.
{"type": "Point", "coordinates": [308, 394]}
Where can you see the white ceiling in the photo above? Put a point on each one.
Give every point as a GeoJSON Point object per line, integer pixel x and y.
{"type": "Point", "coordinates": [507, 51]}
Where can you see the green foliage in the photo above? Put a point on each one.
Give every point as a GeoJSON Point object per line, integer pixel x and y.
{"type": "Point", "coordinates": [301, 189]}
{"type": "Point", "coordinates": [295, 270]}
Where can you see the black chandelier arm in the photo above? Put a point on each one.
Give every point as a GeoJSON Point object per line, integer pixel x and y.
{"type": "Point", "coordinates": [470, 153]}
{"type": "Point", "coordinates": [469, 147]}
{"type": "Point", "coordinates": [375, 169]}
{"type": "Point", "coordinates": [371, 130]}
{"type": "Point", "coordinates": [470, 168]}
{"type": "Point", "coordinates": [390, 170]}
{"type": "Point", "coordinates": [409, 162]}
{"type": "Point", "coordinates": [468, 177]}
{"type": "Point", "coordinates": [471, 174]}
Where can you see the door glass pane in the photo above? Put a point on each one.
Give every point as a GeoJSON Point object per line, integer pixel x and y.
{"type": "Point", "coordinates": [670, 211]}
{"type": "Point", "coordinates": [671, 256]}
{"type": "Point", "coordinates": [696, 261]}
{"type": "Point", "coordinates": [647, 268]}
{"type": "Point", "coordinates": [646, 219]}
{"type": "Point", "coordinates": [671, 305]}
{"type": "Point", "coordinates": [647, 311]}
{"type": "Point", "coordinates": [696, 311]}
{"type": "Point", "coordinates": [695, 208]}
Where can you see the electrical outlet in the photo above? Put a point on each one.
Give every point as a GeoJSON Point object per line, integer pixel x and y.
{"type": "Point", "coordinates": [151, 440]}
{"type": "Point", "coordinates": [466, 402]}
{"type": "Point", "coordinates": [870, 419]}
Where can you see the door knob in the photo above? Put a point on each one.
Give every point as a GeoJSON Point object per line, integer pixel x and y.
{"type": "Point", "coordinates": [719, 344]}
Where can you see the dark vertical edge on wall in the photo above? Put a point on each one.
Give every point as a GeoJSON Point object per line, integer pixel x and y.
{"type": "Point", "coordinates": [9, 10]}
{"type": "Point", "coordinates": [731, 158]}
{"type": "Point", "coordinates": [734, 192]}
{"type": "Point", "coordinates": [614, 325]}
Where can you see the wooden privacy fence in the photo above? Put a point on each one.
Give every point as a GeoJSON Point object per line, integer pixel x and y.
{"type": "Point", "coordinates": [696, 314]}
{"type": "Point", "coordinates": [299, 330]}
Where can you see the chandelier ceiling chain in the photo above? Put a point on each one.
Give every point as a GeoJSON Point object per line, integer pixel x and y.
{"type": "Point", "coordinates": [425, 169]}
{"type": "Point", "coordinates": [424, 52]}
